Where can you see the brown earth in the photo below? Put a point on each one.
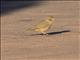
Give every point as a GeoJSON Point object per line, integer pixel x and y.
{"type": "Point", "coordinates": [62, 43]}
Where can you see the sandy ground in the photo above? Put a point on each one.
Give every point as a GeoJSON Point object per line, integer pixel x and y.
{"type": "Point", "coordinates": [19, 44]}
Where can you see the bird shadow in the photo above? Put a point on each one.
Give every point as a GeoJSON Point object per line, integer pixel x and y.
{"type": "Point", "coordinates": [53, 33]}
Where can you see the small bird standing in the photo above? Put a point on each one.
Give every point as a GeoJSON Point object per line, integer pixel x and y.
{"type": "Point", "coordinates": [44, 25]}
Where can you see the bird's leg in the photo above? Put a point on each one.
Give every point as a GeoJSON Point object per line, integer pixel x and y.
{"type": "Point", "coordinates": [44, 33]}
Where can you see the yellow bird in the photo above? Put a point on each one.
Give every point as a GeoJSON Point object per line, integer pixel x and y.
{"type": "Point", "coordinates": [44, 25]}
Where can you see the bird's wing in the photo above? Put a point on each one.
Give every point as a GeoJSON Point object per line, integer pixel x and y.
{"type": "Point", "coordinates": [43, 24]}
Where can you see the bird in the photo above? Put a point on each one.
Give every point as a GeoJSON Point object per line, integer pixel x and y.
{"type": "Point", "coordinates": [44, 25]}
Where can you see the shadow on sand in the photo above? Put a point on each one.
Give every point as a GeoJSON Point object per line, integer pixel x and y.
{"type": "Point", "coordinates": [53, 33]}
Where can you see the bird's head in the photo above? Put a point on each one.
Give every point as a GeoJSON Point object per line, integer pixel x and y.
{"type": "Point", "coordinates": [50, 18]}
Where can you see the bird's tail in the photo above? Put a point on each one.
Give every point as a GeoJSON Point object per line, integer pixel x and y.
{"type": "Point", "coordinates": [30, 29]}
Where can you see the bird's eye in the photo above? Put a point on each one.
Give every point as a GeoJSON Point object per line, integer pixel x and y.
{"type": "Point", "coordinates": [50, 19]}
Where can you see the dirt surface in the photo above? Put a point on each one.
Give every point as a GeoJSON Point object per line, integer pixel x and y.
{"type": "Point", "coordinates": [62, 43]}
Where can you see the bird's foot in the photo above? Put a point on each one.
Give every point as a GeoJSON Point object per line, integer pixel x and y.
{"type": "Point", "coordinates": [44, 34]}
